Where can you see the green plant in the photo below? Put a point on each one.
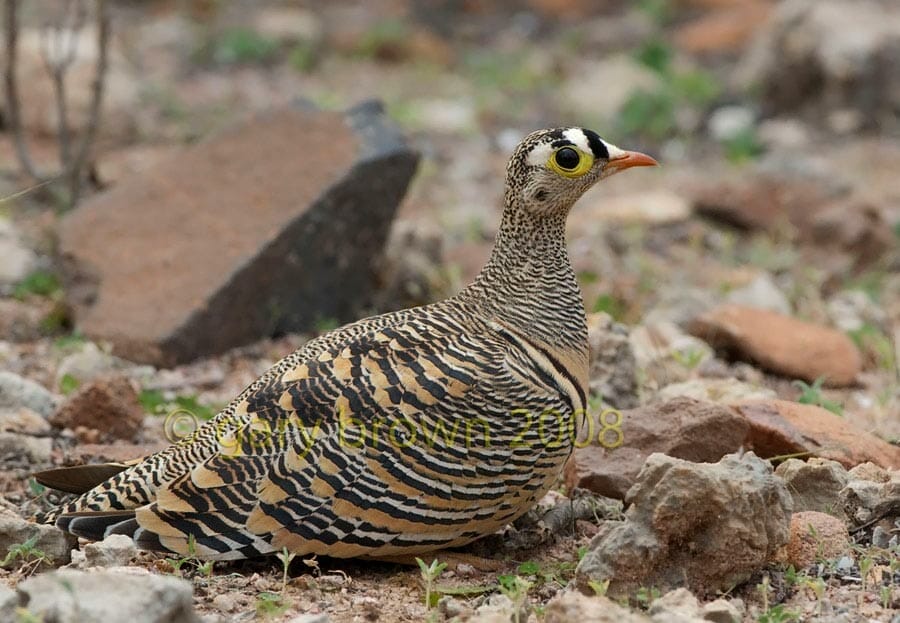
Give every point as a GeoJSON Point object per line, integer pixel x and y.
{"type": "Point", "coordinates": [39, 283]}
{"type": "Point", "coordinates": [382, 37]}
{"type": "Point", "coordinates": [873, 341]}
{"type": "Point", "coordinates": [743, 146]}
{"type": "Point", "coordinates": [429, 574]}
{"type": "Point", "coordinates": [599, 587]}
{"type": "Point", "coordinates": [155, 402]}
{"type": "Point", "coordinates": [529, 568]}
{"type": "Point", "coordinates": [303, 57]}
{"type": "Point", "coordinates": [646, 595]}
{"type": "Point", "coordinates": [516, 589]}
{"type": "Point", "coordinates": [68, 384]}
{"type": "Point", "coordinates": [241, 46]}
{"type": "Point", "coordinates": [689, 358]}
{"type": "Point", "coordinates": [191, 562]}
{"type": "Point", "coordinates": [655, 54]}
{"type": "Point", "coordinates": [270, 604]}
{"type": "Point", "coordinates": [865, 566]}
{"type": "Point", "coordinates": [647, 113]}
{"type": "Point", "coordinates": [778, 614]}
{"type": "Point", "coordinates": [285, 557]}
{"type": "Point", "coordinates": [28, 553]}
{"type": "Point", "coordinates": [609, 304]}
{"type": "Point", "coordinates": [886, 596]}
{"type": "Point", "coordinates": [812, 395]}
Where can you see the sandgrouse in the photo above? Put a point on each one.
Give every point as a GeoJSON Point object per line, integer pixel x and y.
{"type": "Point", "coordinates": [403, 433]}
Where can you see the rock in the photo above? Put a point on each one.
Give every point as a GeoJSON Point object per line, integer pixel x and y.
{"type": "Point", "coordinates": [108, 405]}
{"type": "Point", "coordinates": [678, 606]}
{"type": "Point", "coordinates": [815, 485]}
{"type": "Point", "coordinates": [719, 391]}
{"type": "Point", "coordinates": [88, 363]}
{"type": "Point", "coordinates": [683, 428]}
{"type": "Point", "coordinates": [818, 56]}
{"type": "Point", "coordinates": [499, 609]}
{"type": "Point", "coordinates": [650, 208]}
{"type": "Point", "coordinates": [53, 542]}
{"type": "Point", "coordinates": [23, 420]}
{"type": "Point", "coordinates": [665, 354]}
{"type": "Point", "coordinates": [225, 602]}
{"type": "Point", "coordinates": [613, 375]}
{"type": "Point", "coordinates": [851, 310]}
{"type": "Point", "coordinates": [785, 133]}
{"type": "Point", "coordinates": [259, 230]}
{"type": "Point", "coordinates": [569, 606]}
{"type": "Point", "coordinates": [9, 601]}
{"type": "Point", "coordinates": [413, 271]}
{"type": "Point", "coordinates": [684, 523]}
{"type": "Point", "coordinates": [781, 344]}
{"type": "Point", "coordinates": [723, 611]}
{"type": "Point", "coordinates": [318, 617]}
{"type": "Point", "coordinates": [116, 550]}
{"type": "Point", "coordinates": [816, 536]}
{"type": "Point", "coordinates": [71, 596]}
{"type": "Point", "coordinates": [25, 448]}
{"type": "Point", "coordinates": [451, 608]}
{"type": "Point", "coordinates": [21, 321]}
{"type": "Point", "coordinates": [621, 76]}
{"type": "Point", "coordinates": [871, 494]}
{"type": "Point", "coordinates": [730, 122]}
{"type": "Point", "coordinates": [17, 261]}
{"type": "Point", "coordinates": [17, 392]}
{"type": "Point", "coordinates": [679, 306]}
{"type": "Point", "coordinates": [780, 427]}
{"type": "Point", "coordinates": [761, 293]}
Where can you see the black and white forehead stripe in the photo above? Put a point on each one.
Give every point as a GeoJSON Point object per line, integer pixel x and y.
{"type": "Point", "coordinates": [587, 141]}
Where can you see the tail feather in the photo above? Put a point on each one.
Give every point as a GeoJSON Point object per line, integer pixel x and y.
{"type": "Point", "coordinates": [96, 526]}
{"type": "Point", "coordinates": [80, 478]}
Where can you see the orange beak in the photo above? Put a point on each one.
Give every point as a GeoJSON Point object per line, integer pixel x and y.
{"type": "Point", "coordinates": [630, 159]}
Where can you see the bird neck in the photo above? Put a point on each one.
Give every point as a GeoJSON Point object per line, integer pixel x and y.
{"type": "Point", "coordinates": [529, 282]}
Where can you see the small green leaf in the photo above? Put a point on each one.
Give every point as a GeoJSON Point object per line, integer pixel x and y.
{"type": "Point", "coordinates": [68, 384]}
{"type": "Point", "coordinates": [529, 568]}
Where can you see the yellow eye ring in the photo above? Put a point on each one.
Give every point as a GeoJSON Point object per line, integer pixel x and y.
{"type": "Point", "coordinates": [562, 161]}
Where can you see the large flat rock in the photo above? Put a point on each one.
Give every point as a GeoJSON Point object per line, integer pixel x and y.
{"type": "Point", "coordinates": [269, 227]}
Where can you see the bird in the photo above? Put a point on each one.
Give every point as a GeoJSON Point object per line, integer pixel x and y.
{"type": "Point", "coordinates": [404, 433]}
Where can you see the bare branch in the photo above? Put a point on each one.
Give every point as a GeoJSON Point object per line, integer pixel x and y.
{"type": "Point", "coordinates": [80, 161]}
{"type": "Point", "coordinates": [59, 49]}
{"type": "Point", "coordinates": [11, 28]}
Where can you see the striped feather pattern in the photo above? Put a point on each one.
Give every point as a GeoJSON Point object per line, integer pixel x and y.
{"type": "Point", "coordinates": [398, 434]}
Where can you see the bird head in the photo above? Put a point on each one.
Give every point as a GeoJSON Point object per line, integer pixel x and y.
{"type": "Point", "coordinates": [551, 169]}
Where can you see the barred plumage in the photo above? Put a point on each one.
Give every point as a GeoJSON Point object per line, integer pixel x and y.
{"type": "Point", "coordinates": [395, 435]}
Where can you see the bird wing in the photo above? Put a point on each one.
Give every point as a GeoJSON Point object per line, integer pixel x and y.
{"type": "Point", "coordinates": [393, 441]}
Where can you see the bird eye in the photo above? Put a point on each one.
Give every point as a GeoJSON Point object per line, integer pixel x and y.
{"type": "Point", "coordinates": [570, 162]}
{"type": "Point", "coordinates": [567, 158]}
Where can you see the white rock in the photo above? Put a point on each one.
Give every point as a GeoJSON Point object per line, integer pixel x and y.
{"type": "Point", "coordinates": [86, 364]}
{"type": "Point", "coordinates": [115, 550]}
{"type": "Point", "coordinates": [729, 122]}
{"type": "Point", "coordinates": [15, 530]}
{"type": "Point", "coordinates": [783, 133]}
{"type": "Point", "coordinates": [722, 611]}
{"type": "Point", "coordinates": [122, 594]}
{"type": "Point", "coordinates": [850, 310]}
{"type": "Point", "coordinates": [656, 207]}
{"type": "Point", "coordinates": [761, 293]}
{"type": "Point", "coordinates": [17, 261]}
{"type": "Point", "coordinates": [448, 115]}
{"type": "Point", "coordinates": [23, 420]}
{"type": "Point", "coordinates": [36, 450]}
{"type": "Point", "coordinates": [722, 391]}
{"type": "Point", "coordinates": [17, 392]}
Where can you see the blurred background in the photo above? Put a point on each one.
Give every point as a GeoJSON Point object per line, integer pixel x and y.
{"type": "Point", "coordinates": [777, 124]}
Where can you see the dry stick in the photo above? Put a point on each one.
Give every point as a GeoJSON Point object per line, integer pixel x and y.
{"type": "Point", "coordinates": [11, 29]}
{"type": "Point", "coordinates": [90, 131]}
{"type": "Point", "coordinates": [59, 47]}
